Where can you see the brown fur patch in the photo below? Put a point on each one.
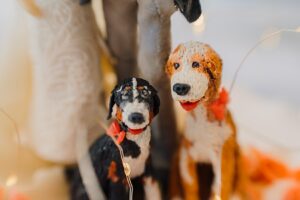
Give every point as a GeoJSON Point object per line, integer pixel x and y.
{"type": "Point", "coordinates": [112, 172]}
{"type": "Point", "coordinates": [213, 68]}
{"type": "Point", "coordinates": [191, 190]}
{"type": "Point", "coordinates": [175, 57]}
{"type": "Point", "coordinates": [119, 114]}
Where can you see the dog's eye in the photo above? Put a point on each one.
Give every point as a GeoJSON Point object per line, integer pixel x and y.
{"type": "Point", "coordinates": [125, 92]}
{"type": "Point", "coordinates": [145, 93]}
{"type": "Point", "coordinates": [195, 64]}
{"type": "Point", "coordinates": [176, 65]}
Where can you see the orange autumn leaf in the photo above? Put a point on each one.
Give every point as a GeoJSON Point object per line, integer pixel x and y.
{"type": "Point", "coordinates": [293, 193]}
{"type": "Point", "coordinates": [296, 174]}
{"type": "Point", "coordinates": [112, 172]}
{"type": "Point", "coordinates": [267, 169]}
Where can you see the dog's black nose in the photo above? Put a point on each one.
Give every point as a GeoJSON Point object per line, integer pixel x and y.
{"type": "Point", "coordinates": [136, 117]}
{"type": "Point", "coordinates": [181, 88]}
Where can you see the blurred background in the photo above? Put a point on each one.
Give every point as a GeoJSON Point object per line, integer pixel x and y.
{"type": "Point", "coordinates": [265, 100]}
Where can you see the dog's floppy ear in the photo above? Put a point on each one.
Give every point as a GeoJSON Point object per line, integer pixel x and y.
{"type": "Point", "coordinates": [156, 104]}
{"type": "Point", "coordinates": [83, 2]}
{"type": "Point", "coordinates": [191, 9]}
{"type": "Point", "coordinates": [155, 99]}
{"type": "Point", "coordinates": [111, 102]}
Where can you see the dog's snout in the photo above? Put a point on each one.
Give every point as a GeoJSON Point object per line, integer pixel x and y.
{"type": "Point", "coordinates": [181, 88]}
{"type": "Point", "coordinates": [136, 118]}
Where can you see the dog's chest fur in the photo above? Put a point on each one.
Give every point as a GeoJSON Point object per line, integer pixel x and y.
{"type": "Point", "coordinates": [207, 138]}
{"type": "Point", "coordinates": [137, 164]}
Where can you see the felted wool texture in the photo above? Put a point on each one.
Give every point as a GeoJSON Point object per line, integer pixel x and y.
{"type": "Point", "coordinates": [206, 138]}
{"type": "Point", "coordinates": [210, 64]}
{"type": "Point", "coordinates": [137, 165]}
{"type": "Point", "coordinates": [66, 76]}
{"type": "Point", "coordinates": [198, 82]}
{"type": "Point", "coordinates": [132, 107]}
{"type": "Point", "coordinates": [135, 106]}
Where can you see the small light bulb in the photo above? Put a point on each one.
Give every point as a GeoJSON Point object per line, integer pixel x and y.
{"type": "Point", "coordinates": [199, 24]}
{"type": "Point", "coordinates": [11, 180]}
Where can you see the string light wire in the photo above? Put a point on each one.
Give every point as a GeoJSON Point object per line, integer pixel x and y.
{"type": "Point", "coordinates": [125, 165]}
{"type": "Point", "coordinates": [17, 133]}
{"type": "Point", "coordinates": [267, 37]}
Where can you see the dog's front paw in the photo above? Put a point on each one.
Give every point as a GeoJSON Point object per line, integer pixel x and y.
{"type": "Point", "coordinates": [151, 188]}
{"type": "Point", "coordinates": [183, 166]}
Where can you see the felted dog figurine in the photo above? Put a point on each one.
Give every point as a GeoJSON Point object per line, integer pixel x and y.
{"type": "Point", "coordinates": [208, 155]}
{"type": "Point", "coordinates": [139, 38]}
{"type": "Point", "coordinates": [134, 103]}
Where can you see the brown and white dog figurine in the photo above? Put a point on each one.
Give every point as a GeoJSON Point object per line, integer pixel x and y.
{"type": "Point", "coordinates": [208, 156]}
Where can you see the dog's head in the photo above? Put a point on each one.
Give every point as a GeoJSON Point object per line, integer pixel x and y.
{"type": "Point", "coordinates": [191, 9]}
{"type": "Point", "coordinates": [134, 102]}
{"type": "Point", "coordinates": [195, 72]}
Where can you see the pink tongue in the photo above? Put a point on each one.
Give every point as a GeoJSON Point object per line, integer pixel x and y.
{"type": "Point", "coordinates": [189, 106]}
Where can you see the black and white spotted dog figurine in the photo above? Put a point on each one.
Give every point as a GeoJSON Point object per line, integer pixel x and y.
{"type": "Point", "coordinates": [134, 103]}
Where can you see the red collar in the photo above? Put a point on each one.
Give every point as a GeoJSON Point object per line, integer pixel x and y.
{"type": "Point", "coordinates": [219, 106]}
{"type": "Point", "coordinates": [116, 131]}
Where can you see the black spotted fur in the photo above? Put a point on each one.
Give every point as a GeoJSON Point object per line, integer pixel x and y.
{"type": "Point", "coordinates": [103, 151]}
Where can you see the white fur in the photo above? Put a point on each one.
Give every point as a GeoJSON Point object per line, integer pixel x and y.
{"type": "Point", "coordinates": [183, 166]}
{"type": "Point", "coordinates": [137, 165]}
{"type": "Point", "coordinates": [207, 137]}
{"type": "Point", "coordinates": [134, 88]}
{"type": "Point", "coordinates": [152, 191]}
{"type": "Point", "coordinates": [207, 141]}
{"type": "Point", "coordinates": [188, 75]}
{"type": "Point", "coordinates": [197, 81]}
{"type": "Point", "coordinates": [135, 106]}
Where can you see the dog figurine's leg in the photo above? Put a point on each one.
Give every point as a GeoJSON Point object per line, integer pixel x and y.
{"type": "Point", "coordinates": [66, 76]}
{"type": "Point", "coordinates": [230, 164]}
{"type": "Point", "coordinates": [217, 168]}
{"type": "Point", "coordinates": [151, 187]}
{"type": "Point", "coordinates": [228, 168]}
{"type": "Point", "coordinates": [175, 185]}
{"type": "Point", "coordinates": [154, 47]}
{"type": "Point", "coordinates": [189, 176]}
{"type": "Point", "coordinates": [117, 191]}
{"type": "Point", "coordinates": [121, 26]}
